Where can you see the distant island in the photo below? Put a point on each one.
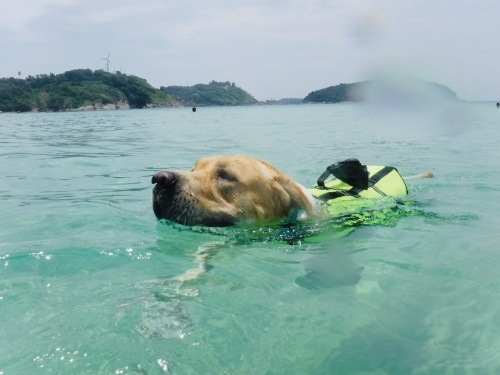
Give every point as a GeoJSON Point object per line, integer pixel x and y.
{"type": "Point", "coordinates": [212, 94]}
{"type": "Point", "coordinates": [80, 89]}
{"type": "Point", "coordinates": [84, 89]}
{"type": "Point", "coordinates": [408, 90]}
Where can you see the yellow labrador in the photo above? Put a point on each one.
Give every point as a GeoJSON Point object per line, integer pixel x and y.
{"type": "Point", "coordinates": [224, 190]}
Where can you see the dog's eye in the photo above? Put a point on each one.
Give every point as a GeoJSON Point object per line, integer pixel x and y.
{"type": "Point", "coordinates": [222, 174]}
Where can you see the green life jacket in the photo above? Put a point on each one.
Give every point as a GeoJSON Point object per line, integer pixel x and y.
{"type": "Point", "coordinates": [375, 182]}
{"type": "Point", "coordinates": [359, 196]}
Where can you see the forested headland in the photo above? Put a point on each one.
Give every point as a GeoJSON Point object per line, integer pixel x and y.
{"type": "Point", "coordinates": [79, 89]}
{"type": "Point", "coordinates": [398, 90]}
{"type": "Point", "coordinates": [84, 89]}
{"type": "Point", "coordinates": [212, 94]}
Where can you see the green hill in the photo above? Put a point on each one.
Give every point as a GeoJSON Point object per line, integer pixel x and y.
{"type": "Point", "coordinates": [77, 89]}
{"type": "Point", "coordinates": [212, 94]}
{"type": "Point", "coordinates": [345, 92]}
{"type": "Point", "coordinates": [398, 90]}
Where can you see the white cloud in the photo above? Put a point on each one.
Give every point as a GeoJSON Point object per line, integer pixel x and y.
{"type": "Point", "coordinates": [16, 16]}
{"type": "Point", "coordinates": [114, 11]}
{"type": "Point", "coordinates": [272, 48]}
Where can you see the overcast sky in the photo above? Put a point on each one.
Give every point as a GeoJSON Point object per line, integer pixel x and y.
{"type": "Point", "coordinates": [270, 48]}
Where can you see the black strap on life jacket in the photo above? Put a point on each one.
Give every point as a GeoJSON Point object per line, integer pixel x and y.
{"type": "Point", "coordinates": [350, 171]}
{"type": "Point", "coordinates": [336, 194]}
{"type": "Point", "coordinates": [377, 177]}
{"type": "Point", "coordinates": [357, 181]}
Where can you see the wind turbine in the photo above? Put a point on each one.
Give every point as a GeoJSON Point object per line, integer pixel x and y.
{"type": "Point", "coordinates": [107, 62]}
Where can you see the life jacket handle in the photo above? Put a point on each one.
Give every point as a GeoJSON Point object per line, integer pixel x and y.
{"type": "Point", "coordinates": [350, 171]}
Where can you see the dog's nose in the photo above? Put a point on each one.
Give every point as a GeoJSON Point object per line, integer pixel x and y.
{"type": "Point", "coordinates": [165, 179]}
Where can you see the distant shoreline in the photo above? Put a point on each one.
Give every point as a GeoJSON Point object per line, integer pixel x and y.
{"type": "Point", "coordinates": [109, 107]}
{"type": "Point", "coordinates": [86, 90]}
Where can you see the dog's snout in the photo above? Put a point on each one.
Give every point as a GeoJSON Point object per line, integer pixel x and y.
{"type": "Point", "coordinates": [165, 179]}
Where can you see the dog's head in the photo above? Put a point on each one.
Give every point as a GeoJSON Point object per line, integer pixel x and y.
{"type": "Point", "coordinates": [224, 190]}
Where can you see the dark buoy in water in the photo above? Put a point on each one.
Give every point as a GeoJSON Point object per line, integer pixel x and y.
{"type": "Point", "coordinates": [498, 105]}
{"type": "Point", "coordinates": [194, 109]}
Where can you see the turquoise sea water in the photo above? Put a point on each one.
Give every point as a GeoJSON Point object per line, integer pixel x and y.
{"type": "Point", "coordinates": [87, 274]}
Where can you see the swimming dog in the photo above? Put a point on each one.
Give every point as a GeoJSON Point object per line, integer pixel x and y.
{"type": "Point", "coordinates": [225, 190]}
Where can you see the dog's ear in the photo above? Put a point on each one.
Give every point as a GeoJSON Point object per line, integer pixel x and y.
{"type": "Point", "coordinates": [297, 196]}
